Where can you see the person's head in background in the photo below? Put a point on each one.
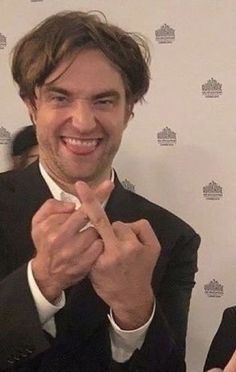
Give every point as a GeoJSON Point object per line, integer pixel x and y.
{"type": "Point", "coordinates": [80, 78]}
{"type": "Point", "coordinates": [24, 148]}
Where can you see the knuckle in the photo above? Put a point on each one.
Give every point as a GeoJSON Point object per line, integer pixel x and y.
{"type": "Point", "coordinates": [130, 245]}
{"type": "Point", "coordinates": [44, 228]}
{"type": "Point", "coordinates": [145, 223]}
{"type": "Point", "coordinates": [100, 221]}
{"type": "Point", "coordinates": [52, 239]}
{"type": "Point", "coordinates": [134, 247]}
{"type": "Point", "coordinates": [64, 255]}
{"type": "Point", "coordinates": [40, 232]}
{"type": "Point", "coordinates": [118, 225]}
{"type": "Point", "coordinates": [50, 204]}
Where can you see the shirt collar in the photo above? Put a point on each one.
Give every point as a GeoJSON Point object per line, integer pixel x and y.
{"type": "Point", "coordinates": [60, 194]}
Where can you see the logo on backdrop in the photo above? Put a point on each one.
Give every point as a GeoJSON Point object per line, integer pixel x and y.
{"type": "Point", "coordinates": [165, 34]}
{"type": "Point", "coordinates": [5, 136]}
{"type": "Point", "coordinates": [3, 41]}
{"type": "Point", "coordinates": [166, 137]}
{"type": "Point", "coordinates": [212, 89]}
{"type": "Point", "coordinates": [128, 185]}
{"type": "Point", "coordinates": [212, 191]}
{"type": "Point", "coordinates": [214, 289]}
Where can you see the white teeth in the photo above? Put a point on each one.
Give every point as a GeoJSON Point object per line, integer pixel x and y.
{"type": "Point", "coordinates": [81, 142]}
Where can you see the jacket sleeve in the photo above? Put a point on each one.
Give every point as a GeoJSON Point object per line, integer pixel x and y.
{"type": "Point", "coordinates": [159, 352]}
{"type": "Point", "coordinates": [173, 281]}
{"type": "Point", "coordinates": [21, 335]}
{"type": "Point", "coordinates": [177, 283]}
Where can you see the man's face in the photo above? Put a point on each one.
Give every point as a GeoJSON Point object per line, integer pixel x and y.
{"type": "Point", "coordinates": [80, 116]}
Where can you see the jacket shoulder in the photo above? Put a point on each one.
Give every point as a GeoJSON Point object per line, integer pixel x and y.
{"type": "Point", "coordinates": [8, 181]}
{"type": "Point", "coordinates": [159, 215]}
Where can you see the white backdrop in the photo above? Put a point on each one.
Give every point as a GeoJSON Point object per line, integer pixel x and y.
{"type": "Point", "coordinates": [180, 141]}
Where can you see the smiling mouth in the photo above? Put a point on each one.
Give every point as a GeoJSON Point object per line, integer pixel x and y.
{"type": "Point", "coordinates": [81, 146]}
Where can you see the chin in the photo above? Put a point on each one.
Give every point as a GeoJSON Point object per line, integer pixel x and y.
{"type": "Point", "coordinates": [80, 176]}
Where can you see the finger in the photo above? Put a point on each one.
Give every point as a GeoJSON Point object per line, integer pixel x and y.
{"type": "Point", "coordinates": [145, 233]}
{"type": "Point", "coordinates": [53, 222]}
{"type": "Point", "coordinates": [65, 248]}
{"type": "Point", "coordinates": [78, 219]}
{"type": "Point", "coordinates": [79, 243]}
{"type": "Point", "coordinates": [123, 231]}
{"type": "Point", "coordinates": [95, 212]}
{"type": "Point", "coordinates": [52, 206]}
{"type": "Point", "coordinates": [83, 263]}
{"type": "Point", "coordinates": [103, 191]}
{"type": "Point", "coordinates": [74, 223]}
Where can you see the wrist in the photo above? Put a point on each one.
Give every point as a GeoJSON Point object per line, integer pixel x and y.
{"type": "Point", "coordinates": [134, 314]}
{"type": "Point", "coordinates": [51, 291]}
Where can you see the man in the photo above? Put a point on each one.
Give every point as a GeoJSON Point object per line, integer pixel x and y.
{"type": "Point", "coordinates": [87, 288]}
{"type": "Point", "coordinates": [222, 352]}
{"type": "Point", "coordinates": [24, 149]}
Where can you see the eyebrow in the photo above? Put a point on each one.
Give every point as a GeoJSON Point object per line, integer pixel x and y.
{"type": "Point", "coordinates": [106, 93]}
{"type": "Point", "coordinates": [50, 88]}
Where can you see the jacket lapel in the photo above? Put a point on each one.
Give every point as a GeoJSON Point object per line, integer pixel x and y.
{"type": "Point", "coordinates": [26, 192]}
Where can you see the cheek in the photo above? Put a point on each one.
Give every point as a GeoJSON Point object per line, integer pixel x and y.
{"type": "Point", "coordinates": [114, 123]}
{"type": "Point", "coordinates": [114, 130]}
{"type": "Point", "coordinates": [47, 120]}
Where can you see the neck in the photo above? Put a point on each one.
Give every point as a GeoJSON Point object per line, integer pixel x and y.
{"type": "Point", "coordinates": [67, 184]}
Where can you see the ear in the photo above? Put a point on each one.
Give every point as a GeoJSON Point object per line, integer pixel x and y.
{"type": "Point", "coordinates": [129, 113]}
{"type": "Point", "coordinates": [31, 110]}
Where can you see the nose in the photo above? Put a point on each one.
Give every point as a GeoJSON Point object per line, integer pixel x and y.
{"type": "Point", "coordinates": [83, 116]}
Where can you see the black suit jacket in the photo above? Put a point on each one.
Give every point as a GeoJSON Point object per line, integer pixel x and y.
{"type": "Point", "coordinates": [82, 342]}
{"type": "Point", "coordinates": [224, 343]}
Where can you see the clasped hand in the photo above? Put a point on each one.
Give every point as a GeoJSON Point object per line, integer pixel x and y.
{"type": "Point", "coordinates": [119, 258]}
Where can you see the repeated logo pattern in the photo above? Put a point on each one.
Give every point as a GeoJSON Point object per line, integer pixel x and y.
{"type": "Point", "coordinates": [128, 185]}
{"type": "Point", "coordinates": [165, 34]}
{"type": "Point", "coordinates": [214, 289]}
{"type": "Point", "coordinates": [212, 191]}
{"type": "Point", "coordinates": [166, 137]}
{"type": "Point", "coordinates": [5, 136]}
{"type": "Point", "coordinates": [3, 41]}
{"type": "Point", "coordinates": [212, 89]}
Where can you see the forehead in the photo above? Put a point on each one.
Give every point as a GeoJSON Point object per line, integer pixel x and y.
{"type": "Point", "coordinates": [88, 70]}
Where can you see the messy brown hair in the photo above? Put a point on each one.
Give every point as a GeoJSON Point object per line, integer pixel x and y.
{"type": "Point", "coordinates": [40, 51]}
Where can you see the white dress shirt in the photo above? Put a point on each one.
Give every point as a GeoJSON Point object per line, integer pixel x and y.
{"type": "Point", "coordinates": [123, 343]}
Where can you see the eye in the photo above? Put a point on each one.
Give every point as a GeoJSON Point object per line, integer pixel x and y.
{"type": "Point", "coordinates": [104, 103]}
{"type": "Point", "coordinates": [58, 98]}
